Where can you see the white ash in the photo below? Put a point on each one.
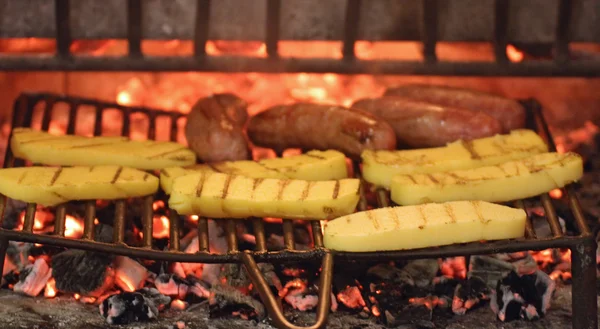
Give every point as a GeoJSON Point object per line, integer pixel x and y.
{"type": "Point", "coordinates": [128, 307]}
{"type": "Point", "coordinates": [33, 278]}
{"type": "Point", "coordinates": [172, 285]}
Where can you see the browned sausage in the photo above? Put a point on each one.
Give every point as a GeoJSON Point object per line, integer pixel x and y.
{"type": "Point", "coordinates": [420, 124]}
{"type": "Point", "coordinates": [214, 128]}
{"type": "Point", "coordinates": [509, 112]}
{"type": "Point", "coordinates": [321, 127]}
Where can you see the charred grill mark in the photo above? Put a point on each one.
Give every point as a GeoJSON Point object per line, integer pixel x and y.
{"type": "Point", "coordinates": [336, 189]}
{"type": "Point", "coordinates": [471, 149]}
{"type": "Point", "coordinates": [255, 184]}
{"type": "Point", "coordinates": [282, 185]}
{"type": "Point", "coordinates": [450, 212]}
{"type": "Point", "coordinates": [475, 205]}
{"type": "Point", "coordinates": [165, 173]}
{"type": "Point", "coordinates": [315, 156]}
{"type": "Point", "coordinates": [22, 177]}
{"type": "Point", "coordinates": [92, 168]}
{"type": "Point", "coordinates": [455, 176]}
{"type": "Point", "coordinates": [117, 174]}
{"type": "Point", "coordinates": [226, 186]}
{"type": "Point", "coordinates": [62, 197]}
{"type": "Point", "coordinates": [56, 174]}
{"type": "Point", "coordinates": [92, 145]}
{"type": "Point", "coordinates": [412, 179]}
{"type": "Point", "coordinates": [146, 175]}
{"type": "Point", "coordinates": [214, 167]}
{"type": "Point", "coordinates": [373, 219]}
{"type": "Point", "coordinates": [423, 217]}
{"type": "Point", "coordinates": [433, 179]}
{"type": "Point", "coordinates": [267, 168]}
{"type": "Point", "coordinates": [394, 216]}
{"type": "Point", "coordinates": [306, 191]}
{"type": "Point", "coordinates": [200, 185]}
{"type": "Point", "coordinates": [45, 139]}
{"type": "Point", "coordinates": [167, 152]}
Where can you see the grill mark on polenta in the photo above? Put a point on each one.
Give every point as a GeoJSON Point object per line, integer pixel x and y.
{"type": "Point", "coordinates": [167, 152]}
{"type": "Point", "coordinates": [373, 219]}
{"type": "Point", "coordinates": [214, 168]}
{"type": "Point", "coordinates": [117, 174]}
{"type": "Point", "coordinates": [455, 176]}
{"type": "Point", "coordinates": [55, 177]}
{"type": "Point", "coordinates": [423, 217]}
{"type": "Point", "coordinates": [471, 149]}
{"type": "Point", "coordinates": [200, 185]}
{"type": "Point", "coordinates": [22, 177]}
{"type": "Point", "coordinates": [146, 175]}
{"type": "Point", "coordinates": [44, 139]}
{"type": "Point", "coordinates": [433, 179]}
{"type": "Point", "coordinates": [268, 168]}
{"type": "Point", "coordinates": [226, 185]}
{"type": "Point", "coordinates": [62, 197]}
{"type": "Point", "coordinates": [306, 190]}
{"type": "Point", "coordinates": [282, 185]}
{"type": "Point", "coordinates": [411, 178]}
{"type": "Point", "coordinates": [336, 190]}
{"type": "Point", "coordinates": [165, 172]}
{"type": "Point", "coordinates": [394, 216]}
{"type": "Point", "coordinates": [91, 168]}
{"type": "Point", "coordinates": [475, 205]}
{"type": "Point", "coordinates": [255, 183]}
{"type": "Point", "coordinates": [315, 156]}
{"type": "Point", "coordinates": [450, 212]}
{"type": "Point", "coordinates": [92, 145]}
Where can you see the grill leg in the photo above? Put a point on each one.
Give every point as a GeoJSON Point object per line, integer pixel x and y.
{"type": "Point", "coordinates": [584, 300]}
{"type": "Point", "coordinates": [3, 247]}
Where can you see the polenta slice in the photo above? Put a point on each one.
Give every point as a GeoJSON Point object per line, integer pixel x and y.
{"type": "Point", "coordinates": [428, 225]}
{"type": "Point", "coordinates": [69, 150]}
{"type": "Point", "coordinates": [218, 195]}
{"type": "Point", "coordinates": [311, 166]}
{"type": "Point", "coordinates": [380, 166]}
{"type": "Point", "coordinates": [50, 186]}
{"type": "Point", "coordinates": [512, 180]}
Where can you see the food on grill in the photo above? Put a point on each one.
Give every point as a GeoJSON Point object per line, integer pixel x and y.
{"type": "Point", "coordinates": [428, 225]}
{"type": "Point", "coordinates": [219, 195]}
{"type": "Point", "coordinates": [512, 180]}
{"type": "Point", "coordinates": [321, 127]}
{"type": "Point", "coordinates": [50, 186]}
{"type": "Point", "coordinates": [509, 112]}
{"type": "Point", "coordinates": [421, 124]}
{"type": "Point", "coordinates": [68, 150]}
{"type": "Point", "coordinates": [380, 166]}
{"type": "Point", "coordinates": [214, 128]}
{"type": "Point", "coordinates": [312, 166]}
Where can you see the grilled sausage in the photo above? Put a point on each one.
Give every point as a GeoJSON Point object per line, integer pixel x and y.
{"type": "Point", "coordinates": [214, 128]}
{"type": "Point", "coordinates": [419, 124]}
{"type": "Point", "coordinates": [321, 127]}
{"type": "Point", "coordinates": [509, 112]}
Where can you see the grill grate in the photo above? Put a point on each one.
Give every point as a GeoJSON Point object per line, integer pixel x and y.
{"type": "Point", "coordinates": [582, 245]}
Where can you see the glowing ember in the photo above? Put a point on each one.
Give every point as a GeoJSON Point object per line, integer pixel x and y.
{"type": "Point", "coordinates": [556, 193]}
{"type": "Point", "coordinates": [73, 227]}
{"type": "Point", "coordinates": [50, 291]}
{"type": "Point", "coordinates": [351, 297]}
{"type": "Point", "coordinates": [194, 218]}
{"type": "Point", "coordinates": [160, 227]}
{"type": "Point", "coordinates": [76, 296]}
{"type": "Point", "coordinates": [158, 204]}
{"type": "Point", "coordinates": [430, 301]}
{"type": "Point", "coordinates": [454, 267]}
{"type": "Point", "coordinates": [514, 54]}
{"type": "Point", "coordinates": [178, 304]}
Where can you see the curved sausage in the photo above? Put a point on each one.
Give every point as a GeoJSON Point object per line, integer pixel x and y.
{"type": "Point", "coordinates": [509, 112]}
{"type": "Point", "coordinates": [321, 127]}
{"type": "Point", "coordinates": [214, 128]}
{"type": "Point", "coordinates": [419, 124]}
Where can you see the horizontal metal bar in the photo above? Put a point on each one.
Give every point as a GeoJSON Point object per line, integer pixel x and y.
{"type": "Point", "coordinates": [475, 248]}
{"type": "Point", "coordinates": [583, 68]}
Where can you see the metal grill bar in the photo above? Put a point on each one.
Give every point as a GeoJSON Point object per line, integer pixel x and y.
{"type": "Point", "coordinates": [134, 27]}
{"type": "Point", "coordinates": [63, 28]}
{"type": "Point", "coordinates": [429, 31]}
{"type": "Point", "coordinates": [48, 109]}
{"type": "Point", "coordinates": [147, 221]}
{"type": "Point", "coordinates": [88, 220]}
{"type": "Point", "coordinates": [272, 27]}
{"type": "Point", "coordinates": [202, 27]}
{"type": "Point", "coordinates": [529, 230]}
{"type": "Point", "coordinates": [59, 220]}
{"type": "Point", "coordinates": [563, 32]}
{"type": "Point", "coordinates": [500, 30]}
{"type": "Point", "coordinates": [351, 28]}
{"type": "Point", "coordinates": [259, 234]}
{"type": "Point", "coordinates": [551, 215]}
{"type": "Point", "coordinates": [174, 232]}
{"type": "Point", "coordinates": [119, 222]}
{"type": "Point", "coordinates": [317, 234]}
{"type": "Point", "coordinates": [72, 118]}
{"type": "Point", "coordinates": [202, 234]}
{"type": "Point", "coordinates": [230, 235]}
{"type": "Point", "coordinates": [288, 234]}
{"type": "Point", "coordinates": [29, 219]}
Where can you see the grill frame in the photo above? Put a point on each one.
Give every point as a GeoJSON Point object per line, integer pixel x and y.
{"type": "Point", "coordinates": [582, 246]}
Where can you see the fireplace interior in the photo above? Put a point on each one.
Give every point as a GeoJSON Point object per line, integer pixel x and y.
{"type": "Point", "coordinates": [135, 68]}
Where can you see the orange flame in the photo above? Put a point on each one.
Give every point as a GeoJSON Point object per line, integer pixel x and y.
{"type": "Point", "coordinates": [178, 304]}
{"type": "Point", "coordinates": [73, 227]}
{"type": "Point", "coordinates": [76, 296]}
{"type": "Point", "coordinates": [158, 204]}
{"type": "Point", "coordinates": [514, 54]}
{"type": "Point", "coordinates": [194, 218]}
{"type": "Point", "coordinates": [50, 291]}
{"type": "Point", "coordinates": [556, 193]}
{"type": "Point", "coordinates": [160, 228]}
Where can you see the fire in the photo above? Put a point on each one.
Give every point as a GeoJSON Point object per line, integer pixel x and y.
{"type": "Point", "coordinates": [160, 228]}
{"type": "Point", "coordinates": [178, 304]}
{"type": "Point", "coordinates": [430, 301]}
{"type": "Point", "coordinates": [514, 54]}
{"type": "Point", "coordinates": [124, 98]}
{"type": "Point", "coordinates": [50, 291]}
{"type": "Point", "coordinates": [76, 296]}
{"type": "Point", "coordinates": [556, 193]}
{"type": "Point", "coordinates": [73, 227]}
{"type": "Point", "coordinates": [194, 218]}
{"type": "Point", "coordinates": [158, 204]}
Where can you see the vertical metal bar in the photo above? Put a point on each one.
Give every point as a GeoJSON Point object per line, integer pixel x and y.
{"type": "Point", "coordinates": [202, 27]}
{"type": "Point", "coordinates": [259, 234]}
{"type": "Point", "coordinates": [59, 220]}
{"type": "Point", "coordinates": [529, 230]}
{"type": "Point", "coordinates": [429, 28]}
{"type": "Point", "coordinates": [173, 132]}
{"type": "Point", "coordinates": [174, 231]}
{"type": "Point", "coordinates": [63, 28]}
{"type": "Point", "coordinates": [126, 124]}
{"type": "Point", "coordinates": [203, 234]}
{"type": "Point", "coordinates": [3, 248]}
{"type": "Point", "coordinates": [351, 28]}
{"type": "Point", "coordinates": [72, 118]}
{"type": "Point", "coordinates": [119, 222]}
{"type": "Point", "coordinates": [134, 27]}
{"type": "Point", "coordinates": [317, 233]}
{"type": "Point", "coordinates": [147, 221]}
{"type": "Point", "coordinates": [382, 198]}
{"type": "Point", "coordinates": [551, 216]}
{"type": "Point", "coordinates": [98, 121]}
{"type": "Point", "coordinates": [362, 202]}
{"type": "Point", "coordinates": [563, 31]}
{"type": "Point", "coordinates": [584, 301]}
{"type": "Point", "coordinates": [88, 220]}
{"type": "Point", "coordinates": [500, 30]}
{"type": "Point", "coordinates": [47, 116]}
{"type": "Point", "coordinates": [575, 206]}
{"type": "Point", "coordinates": [29, 219]}
{"type": "Point", "coordinates": [288, 234]}
{"type": "Point", "coordinates": [230, 235]}
{"type": "Point", "coordinates": [151, 127]}
{"type": "Point", "coordinates": [3, 200]}
{"type": "Point", "coordinates": [272, 28]}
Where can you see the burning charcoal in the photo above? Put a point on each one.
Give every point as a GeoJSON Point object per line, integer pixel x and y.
{"type": "Point", "coordinates": [225, 299]}
{"type": "Point", "coordinates": [129, 274]}
{"type": "Point", "coordinates": [103, 233]}
{"type": "Point", "coordinates": [391, 273]}
{"type": "Point", "coordinates": [422, 271]}
{"type": "Point", "coordinates": [526, 297]}
{"type": "Point", "coordinates": [494, 267]}
{"type": "Point", "coordinates": [12, 213]}
{"type": "Point", "coordinates": [128, 307]}
{"type": "Point", "coordinates": [83, 272]}
{"type": "Point", "coordinates": [33, 278]}
{"type": "Point", "coordinates": [197, 288]}
{"type": "Point", "coordinates": [171, 285]}
{"type": "Point", "coordinates": [351, 297]}
{"type": "Point", "coordinates": [469, 294]}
